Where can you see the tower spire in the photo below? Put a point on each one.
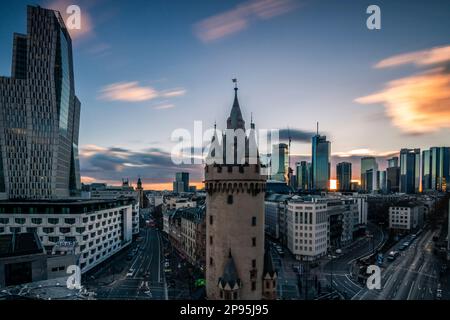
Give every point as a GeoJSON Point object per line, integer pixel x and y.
{"type": "Point", "coordinates": [235, 120]}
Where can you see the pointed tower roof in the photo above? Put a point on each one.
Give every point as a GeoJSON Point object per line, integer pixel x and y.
{"type": "Point", "coordinates": [230, 279]}
{"type": "Point", "coordinates": [268, 271]}
{"type": "Point", "coordinates": [235, 120]}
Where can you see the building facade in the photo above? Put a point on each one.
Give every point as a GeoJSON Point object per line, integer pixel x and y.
{"type": "Point", "coordinates": [303, 175]}
{"type": "Point", "coordinates": [320, 165]}
{"type": "Point", "coordinates": [409, 171]}
{"type": "Point", "coordinates": [39, 113]}
{"type": "Point", "coordinates": [97, 228]}
{"type": "Point", "coordinates": [407, 217]}
{"type": "Point", "coordinates": [344, 176]}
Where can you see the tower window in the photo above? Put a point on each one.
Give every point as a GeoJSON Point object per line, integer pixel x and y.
{"type": "Point", "coordinates": [230, 169]}
{"type": "Point", "coordinates": [230, 199]}
{"type": "Point", "coordinates": [210, 240]}
{"type": "Point", "coordinates": [210, 219]}
{"type": "Point", "coordinates": [253, 285]}
{"type": "Point", "coordinates": [253, 221]}
{"type": "Point", "coordinates": [211, 262]}
{"type": "Point", "coordinates": [253, 263]}
{"type": "Point", "coordinates": [254, 241]}
{"type": "Point", "coordinates": [235, 296]}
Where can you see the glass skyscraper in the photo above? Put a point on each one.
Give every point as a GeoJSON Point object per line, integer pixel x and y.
{"type": "Point", "coordinates": [181, 183]}
{"type": "Point", "coordinates": [39, 113]}
{"type": "Point", "coordinates": [344, 176]}
{"type": "Point", "coordinates": [280, 166]}
{"type": "Point", "coordinates": [303, 175]}
{"type": "Point", "coordinates": [435, 168]}
{"type": "Point", "coordinates": [368, 163]}
{"type": "Point", "coordinates": [320, 166]}
{"type": "Point", "coordinates": [409, 170]}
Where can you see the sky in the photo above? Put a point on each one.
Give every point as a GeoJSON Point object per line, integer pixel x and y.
{"type": "Point", "coordinates": [146, 68]}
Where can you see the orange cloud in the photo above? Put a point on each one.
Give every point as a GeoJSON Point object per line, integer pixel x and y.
{"type": "Point", "coordinates": [239, 18]}
{"type": "Point", "coordinates": [416, 104]}
{"type": "Point", "coordinates": [128, 91]}
{"type": "Point", "coordinates": [420, 58]}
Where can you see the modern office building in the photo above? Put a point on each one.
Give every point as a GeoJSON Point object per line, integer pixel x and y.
{"type": "Point", "coordinates": [303, 175]}
{"type": "Point", "coordinates": [409, 171]}
{"type": "Point", "coordinates": [320, 166]}
{"type": "Point", "coordinates": [39, 113]}
{"type": "Point", "coordinates": [96, 228]}
{"type": "Point", "coordinates": [280, 162]}
{"type": "Point", "coordinates": [406, 217]}
{"type": "Point", "coordinates": [344, 176]}
{"type": "Point", "coordinates": [382, 181]}
{"type": "Point", "coordinates": [368, 179]}
{"type": "Point", "coordinates": [393, 162]}
{"type": "Point", "coordinates": [307, 228]}
{"type": "Point", "coordinates": [435, 169]}
{"type": "Point", "coordinates": [181, 183]}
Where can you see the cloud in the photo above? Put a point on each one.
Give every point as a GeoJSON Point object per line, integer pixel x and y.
{"type": "Point", "coordinates": [134, 92]}
{"type": "Point", "coordinates": [164, 106]}
{"type": "Point", "coordinates": [112, 164]}
{"type": "Point", "coordinates": [431, 56]}
{"type": "Point", "coordinates": [128, 91]}
{"type": "Point", "coordinates": [296, 135]}
{"type": "Point", "coordinates": [240, 17]}
{"type": "Point", "coordinates": [363, 152]}
{"type": "Point", "coordinates": [420, 103]}
{"type": "Point", "coordinates": [417, 104]}
{"type": "Point", "coordinates": [177, 92]}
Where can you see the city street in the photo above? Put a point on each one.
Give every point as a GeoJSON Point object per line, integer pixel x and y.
{"type": "Point", "coordinates": [411, 276]}
{"type": "Point", "coordinates": [140, 278]}
{"type": "Point", "coordinates": [339, 268]}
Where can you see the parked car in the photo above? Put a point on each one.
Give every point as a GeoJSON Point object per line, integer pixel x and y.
{"type": "Point", "coordinates": [130, 273]}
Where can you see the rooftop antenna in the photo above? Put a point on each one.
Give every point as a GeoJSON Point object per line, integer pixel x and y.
{"type": "Point", "coordinates": [317, 127]}
{"type": "Point", "coordinates": [289, 156]}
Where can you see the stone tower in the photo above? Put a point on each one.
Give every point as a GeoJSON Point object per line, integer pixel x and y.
{"type": "Point", "coordinates": [235, 219]}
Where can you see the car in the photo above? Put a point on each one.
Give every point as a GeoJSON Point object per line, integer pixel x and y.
{"type": "Point", "coordinates": [392, 255]}
{"type": "Point", "coordinates": [338, 251]}
{"type": "Point", "coordinates": [402, 248]}
{"type": "Point", "coordinates": [130, 273]}
{"type": "Point", "coordinates": [406, 244]}
{"type": "Point", "coordinates": [439, 294]}
{"type": "Point", "coordinates": [166, 264]}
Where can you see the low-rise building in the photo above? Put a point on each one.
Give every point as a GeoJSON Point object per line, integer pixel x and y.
{"type": "Point", "coordinates": [97, 228]}
{"type": "Point", "coordinates": [406, 217]}
{"type": "Point", "coordinates": [307, 228]}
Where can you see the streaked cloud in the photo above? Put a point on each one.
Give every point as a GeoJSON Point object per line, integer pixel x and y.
{"type": "Point", "coordinates": [431, 56]}
{"type": "Point", "coordinates": [164, 106]}
{"type": "Point", "coordinates": [420, 103]}
{"type": "Point", "coordinates": [128, 91]}
{"type": "Point", "coordinates": [363, 152]}
{"type": "Point", "coordinates": [134, 92]}
{"type": "Point", "coordinates": [296, 135]}
{"type": "Point", "coordinates": [111, 164]}
{"type": "Point", "coordinates": [240, 17]}
{"type": "Point", "coordinates": [417, 104]}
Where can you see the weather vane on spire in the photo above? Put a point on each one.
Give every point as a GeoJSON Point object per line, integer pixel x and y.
{"type": "Point", "coordinates": [235, 83]}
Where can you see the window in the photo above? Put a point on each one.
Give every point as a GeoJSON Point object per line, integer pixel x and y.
{"type": "Point", "coordinates": [254, 242]}
{"type": "Point", "coordinates": [20, 220]}
{"type": "Point", "coordinates": [210, 240]}
{"type": "Point", "coordinates": [53, 220]}
{"type": "Point", "coordinates": [253, 285]}
{"type": "Point", "coordinates": [210, 219]}
{"type": "Point", "coordinates": [53, 239]}
{"type": "Point", "coordinates": [253, 263]}
{"type": "Point", "coordinates": [230, 199]}
{"type": "Point", "coordinates": [4, 220]}
{"type": "Point", "coordinates": [253, 221]}
{"type": "Point", "coordinates": [48, 230]}
{"type": "Point", "coordinates": [36, 220]}
{"type": "Point", "coordinates": [64, 230]}
{"type": "Point", "coordinates": [211, 261]}
{"type": "Point", "coordinates": [69, 220]}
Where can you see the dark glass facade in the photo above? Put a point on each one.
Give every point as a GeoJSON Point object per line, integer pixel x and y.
{"type": "Point", "coordinates": [409, 171]}
{"type": "Point", "coordinates": [344, 176]}
{"type": "Point", "coordinates": [40, 114]}
{"type": "Point", "coordinates": [321, 150]}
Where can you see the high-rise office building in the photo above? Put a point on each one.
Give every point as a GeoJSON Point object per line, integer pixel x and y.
{"type": "Point", "coordinates": [303, 174]}
{"type": "Point", "coordinates": [393, 162]}
{"type": "Point", "coordinates": [409, 170]}
{"type": "Point", "coordinates": [382, 181]}
{"type": "Point", "coordinates": [181, 183]}
{"type": "Point", "coordinates": [368, 163]}
{"type": "Point", "coordinates": [280, 162]}
{"type": "Point", "coordinates": [320, 166]}
{"type": "Point", "coordinates": [435, 168]}
{"type": "Point", "coordinates": [344, 176]}
{"type": "Point", "coordinates": [39, 113]}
